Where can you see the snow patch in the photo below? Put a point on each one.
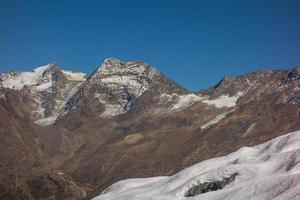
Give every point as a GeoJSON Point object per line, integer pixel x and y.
{"type": "Point", "coordinates": [267, 171]}
{"type": "Point", "coordinates": [44, 86]}
{"type": "Point", "coordinates": [75, 76]}
{"type": "Point", "coordinates": [185, 101]}
{"type": "Point", "coordinates": [18, 80]}
{"type": "Point", "coordinates": [224, 101]}
{"type": "Point", "coordinates": [214, 120]}
{"type": "Point", "coordinates": [46, 121]}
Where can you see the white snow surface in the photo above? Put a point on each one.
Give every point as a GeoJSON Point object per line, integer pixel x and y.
{"type": "Point", "coordinates": [35, 78]}
{"type": "Point", "coordinates": [215, 120]}
{"type": "Point", "coordinates": [224, 100]}
{"type": "Point", "coordinates": [46, 121]}
{"type": "Point", "coordinates": [19, 80]}
{"type": "Point", "coordinates": [270, 171]}
{"type": "Point", "coordinates": [40, 80]}
{"type": "Point", "coordinates": [186, 101]}
{"type": "Point", "coordinates": [75, 76]}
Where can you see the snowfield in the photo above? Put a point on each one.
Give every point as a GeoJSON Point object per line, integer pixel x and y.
{"type": "Point", "coordinates": [270, 171]}
{"type": "Point", "coordinates": [22, 79]}
{"type": "Point", "coordinates": [184, 101]}
{"type": "Point", "coordinates": [75, 76]}
{"type": "Point", "coordinates": [224, 101]}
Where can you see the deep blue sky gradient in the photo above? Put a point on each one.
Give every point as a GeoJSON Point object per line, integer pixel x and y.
{"type": "Point", "coordinates": [193, 42]}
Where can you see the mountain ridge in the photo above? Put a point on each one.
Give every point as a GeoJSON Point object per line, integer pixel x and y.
{"type": "Point", "coordinates": [164, 128]}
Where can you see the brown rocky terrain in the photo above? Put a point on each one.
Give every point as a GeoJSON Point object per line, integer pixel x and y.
{"type": "Point", "coordinates": [127, 120]}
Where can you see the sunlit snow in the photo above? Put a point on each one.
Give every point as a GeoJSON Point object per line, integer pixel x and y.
{"type": "Point", "coordinates": [18, 81]}
{"type": "Point", "coordinates": [186, 100]}
{"type": "Point", "coordinates": [47, 120]}
{"type": "Point", "coordinates": [224, 101]}
{"type": "Point", "coordinates": [75, 76]}
{"type": "Point", "coordinates": [214, 120]}
{"type": "Point", "coordinates": [267, 171]}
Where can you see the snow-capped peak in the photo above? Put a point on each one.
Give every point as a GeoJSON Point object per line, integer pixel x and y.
{"type": "Point", "coordinates": [124, 81]}
{"type": "Point", "coordinates": [48, 86]}
{"type": "Point", "coordinates": [111, 62]}
{"type": "Point", "coordinates": [18, 80]}
{"type": "Point", "coordinates": [113, 66]}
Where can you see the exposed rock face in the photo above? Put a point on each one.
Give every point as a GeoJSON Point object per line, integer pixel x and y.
{"type": "Point", "coordinates": [123, 82]}
{"type": "Point", "coordinates": [128, 120]}
{"type": "Point", "coordinates": [210, 186]}
{"type": "Point", "coordinates": [54, 186]}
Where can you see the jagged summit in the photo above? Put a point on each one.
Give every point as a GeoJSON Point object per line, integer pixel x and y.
{"type": "Point", "coordinates": [108, 62]}
{"type": "Point", "coordinates": [48, 88]}
{"type": "Point", "coordinates": [116, 66]}
{"type": "Point", "coordinates": [132, 76]}
{"type": "Point", "coordinates": [39, 75]}
{"type": "Point", "coordinates": [116, 84]}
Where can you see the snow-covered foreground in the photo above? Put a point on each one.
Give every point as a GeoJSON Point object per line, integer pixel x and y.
{"type": "Point", "coordinates": [267, 171]}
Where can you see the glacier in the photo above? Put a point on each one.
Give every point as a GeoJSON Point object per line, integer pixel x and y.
{"type": "Point", "coordinates": [267, 171]}
{"type": "Point", "coordinates": [224, 100]}
{"type": "Point", "coordinates": [18, 80]}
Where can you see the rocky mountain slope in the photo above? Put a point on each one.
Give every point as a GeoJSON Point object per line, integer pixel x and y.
{"type": "Point", "coordinates": [75, 134]}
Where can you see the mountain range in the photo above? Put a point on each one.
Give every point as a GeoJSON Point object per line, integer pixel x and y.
{"type": "Point", "coordinates": [69, 135]}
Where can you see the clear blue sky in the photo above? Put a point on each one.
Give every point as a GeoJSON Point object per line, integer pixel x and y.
{"type": "Point", "coordinates": [193, 42]}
